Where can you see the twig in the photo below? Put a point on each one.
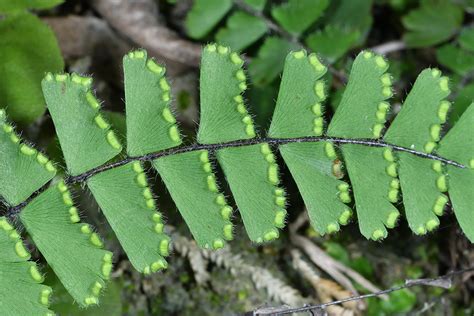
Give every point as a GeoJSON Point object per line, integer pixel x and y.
{"type": "Point", "coordinates": [389, 47]}
{"type": "Point", "coordinates": [408, 284]}
{"type": "Point", "coordinates": [331, 266]}
{"type": "Point", "coordinates": [138, 21]}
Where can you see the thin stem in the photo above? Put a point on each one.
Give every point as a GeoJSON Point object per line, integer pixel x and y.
{"type": "Point", "coordinates": [389, 47]}
{"type": "Point", "coordinates": [408, 284]}
{"type": "Point", "coordinates": [12, 211]}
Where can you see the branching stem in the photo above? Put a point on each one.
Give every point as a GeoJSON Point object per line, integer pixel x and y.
{"type": "Point", "coordinates": [12, 211]}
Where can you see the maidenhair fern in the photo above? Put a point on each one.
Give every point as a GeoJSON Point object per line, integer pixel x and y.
{"type": "Point", "coordinates": [405, 161]}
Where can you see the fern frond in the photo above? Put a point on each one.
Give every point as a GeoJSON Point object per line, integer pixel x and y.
{"type": "Point", "coordinates": [406, 159]}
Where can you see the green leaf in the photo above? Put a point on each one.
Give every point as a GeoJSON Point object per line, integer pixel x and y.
{"type": "Point", "coordinates": [341, 14]}
{"type": "Point", "coordinates": [258, 5]}
{"type": "Point", "coordinates": [422, 180]}
{"type": "Point", "coordinates": [362, 111]}
{"type": "Point", "coordinates": [224, 116]}
{"type": "Point", "coordinates": [362, 114]}
{"type": "Point", "coordinates": [151, 126]}
{"type": "Point", "coordinates": [332, 42]}
{"type": "Point", "coordinates": [374, 189]}
{"type": "Point", "coordinates": [241, 31]}
{"type": "Point", "coordinates": [72, 249]}
{"type": "Point", "coordinates": [8, 6]}
{"type": "Point", "coordinates": [458, 145]}
{"type": "Point", "coordinates": [296, 16]}
{"type": "Point", "coordinates": [299, 111]}
{"type": "Point", "coordinates": [204, 15]}
{"type": "Point", "coordinates": [260, 201]}
{"type": "Point", "coordinates": [192, 185]}
{"type": "Point", "coordinates": [127, 202]}
{"type": "Point", "coordinates": [23, 169]}
{"type": "Point", "coordinates": [270, 60]}
{"type": "Point", "coordinates": [424, 108]}
{"type": "Point", "coordinates": [28, 48]}
{"type": "Point", "coordinates": [433, 22]}
{"type": "Point", "coordinates": [86, 138]}
{"type": "Point", "coordinates": [455, 59]}
{"type": "Point", "coordinates": [317, 170]}
{"type": "Point", "coordinates": [421, 194]}
{"type": "Point", "coordinates": [466, 38]}
{"type": "Point", "coordinates": [21, 292]}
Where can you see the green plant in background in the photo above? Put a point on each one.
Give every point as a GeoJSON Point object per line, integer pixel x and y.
{"type": "Point", "coordinates": [28, 49]}
{"type": "Point", "coordinates": [328, 27]}
{"type": "Point", "coordinates": [435, 22]}
{"type": "Point", "coordinates": [380, 162]}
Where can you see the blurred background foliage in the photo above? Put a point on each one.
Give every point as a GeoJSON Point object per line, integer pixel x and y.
{"type": "Point", "coordinates": [90, 37]}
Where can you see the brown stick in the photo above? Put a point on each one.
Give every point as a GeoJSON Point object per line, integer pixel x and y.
{"type": "Point", "coordinates": [138, 21]}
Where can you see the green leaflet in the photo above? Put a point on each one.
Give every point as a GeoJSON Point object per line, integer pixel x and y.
{"type": "Point", "coordinates": [297, 15]}
{"type": "Point", "coordinates": [28, 48]}
{"type": "Point", "coordinates": [316, 170]}
{"type": "Point", "coordinates": [192, 185]}
{"type": "Point", "coordinates": [72, 250]}
{"type": "Point", "coordinates": [466, 38]}
{"type": "Point", "coordinates": [333, 41]}
{"type": "Point", "coordinates": [423, 109]}
{"type": "Point", "coordinates": [299, 112]}
{"type": "Point", "coordinates": [374, 188]}
{"type": "Point", "coordinates": [421, 192]}
{"type": "Point", "coordinates": [270, 60]}
{"type": "Point", "coordinates": [86, 139]}
{"type": "Point", "coordinates": [458, 144]}
{"type": "Point", "coordinates": [341, 13]}
{"type": "Point", "coordinates": [362, 110]}
{"type": "Point", "coordinates": [7, 6]}
{"type": "Point", "coordinates": [242, 30]}
{"type": "Point", "coordinates": [362, 114]}
{"type": "Point", "coordinates": [150, 124]}
{"type": "Point", "coordinates": [127, 202]}
{"type": "Point", "coordinates": [456, 59]}
{"type": "Point", "coordinates": [21, 292]}
{"type": "Point", "coordinates": [302, 90]}
{"type": "Point", "coordinates": [204, 15]}
{"type": "Point", "coordinates": [258, 192]}
{"type": "Point", "coordinates": [224, 116]}
{"type": "Point", "coordinates": [432, 23]}
{"type": "Point", "coordinates": [23, 169]}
